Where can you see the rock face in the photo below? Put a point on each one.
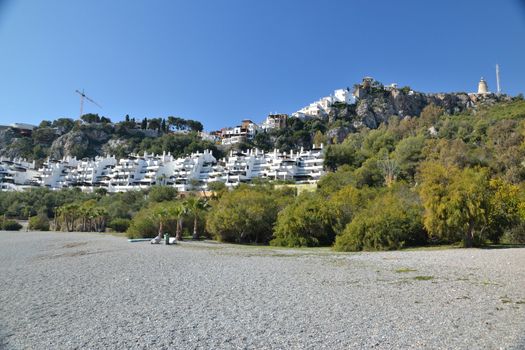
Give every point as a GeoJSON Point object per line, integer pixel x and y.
{"type": "Point", "coordinates": [117, 147]}
{"type": "Point", "coordinates": [86, 142]}
{"type": "Point", "coordinates": [338, 134]}
{"type": "Point", "coordinates": [69, 145]}
{"type": "Point", "coordinates": [7, 137]}
{"type": "Point", "coordinates": [374, 107]}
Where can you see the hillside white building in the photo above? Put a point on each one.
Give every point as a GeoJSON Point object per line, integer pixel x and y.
{"type": "Point", "coordinates": [274, 121]}
{"type": "Point", "coordinates": [325, 104]}
{"type": "Point", "coordinates": [16, 174]}
{"type": "Point", "coordinates": [137, 172]}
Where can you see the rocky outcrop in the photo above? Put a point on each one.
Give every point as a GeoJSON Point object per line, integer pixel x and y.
{"type": "Point", "coordinates": [377, 105]}
{"type": "Point", "coordinates": [116, 146]}
{"type": "Point", "coordinates": [7, 137]}
{"type": "Point", "coordinates": [338, 134]}
{"type": "Point", "coordinates": [85, 142]}
{"type": "Point", "coordinates": [72, 144]}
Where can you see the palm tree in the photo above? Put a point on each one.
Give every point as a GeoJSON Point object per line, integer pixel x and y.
{"type": "Point", "coordinates": [68, 214]}
{"type": "Point", "coordinates": [161, 179]}
{"type": "Point", "coordinates": [179, 211]}
{"type": "Point", "coordinates": [162, 214]}
{"type": "Point", "coordinates": [99, 216]}
{"type": "Point", "coordinates": [195, 206]}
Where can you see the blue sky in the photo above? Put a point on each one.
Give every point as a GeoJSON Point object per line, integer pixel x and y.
{"type": "Point", "coordinates": [220, 61]}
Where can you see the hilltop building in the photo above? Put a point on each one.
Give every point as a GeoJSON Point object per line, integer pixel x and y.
{"type": "Point", "coordinates": [244, 132]}
{"type": "Point", "coordinates": [21, 128]}
{"type": "Point", "coordinates": [483, 87]}
{"type": "Point", "coordinates": [274, 121]}
{"type": "Point", "coordinates": [324, 105]}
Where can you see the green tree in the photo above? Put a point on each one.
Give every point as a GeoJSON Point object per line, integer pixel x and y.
{"type": "Point", "coordinates": [346, 203]}
{"type": "Point", "coordinates": [162, 193]}
{"type": "Point", "coordinates": [150, 221]}
{"type": "Point", "coordinates": [504, 208]}
{"type": "Point", "coordinates": [244, 215]}
{"type": "Point", "coordinates": [179, 211]}
{"type": "Point", "coordinates": [391, 221]}
{"type": "Point", "coordinates": [67, 215]}
{"type": "Point", "coordinates": [457, 203]}
{"type": "Point", "coordinates": [39, 222]}
{"type": "Point", "coordinates": [306, 222]}
{"type": "Point", "coordinates": [195, 207]}
{"type": "Point", "coordinates": [431, 114]}
{"type": "Point", "coordinates": [319, 138]}
{"type": "Point", "coordinates": [408, 154]}
{"type": "Point", "coordinates": [263, 141]}
{"type": "Point", "coordinates": [90, 118]}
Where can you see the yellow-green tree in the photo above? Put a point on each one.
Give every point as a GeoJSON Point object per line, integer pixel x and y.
{"type": "Point", "coordinates": [505, 206]}
{"type": "Point", "coordinates": [457, 202]}
{"type": "Point", "coordinates": [392, 220]}
{"type": "Point", "coordinates": [344, 204]}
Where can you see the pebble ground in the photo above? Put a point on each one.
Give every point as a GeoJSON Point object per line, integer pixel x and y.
{"type": "Point", "coordinates": [92, 291]}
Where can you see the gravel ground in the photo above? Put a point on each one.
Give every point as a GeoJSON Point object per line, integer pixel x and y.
{"type": "Point", "coordinates": [91, 291]}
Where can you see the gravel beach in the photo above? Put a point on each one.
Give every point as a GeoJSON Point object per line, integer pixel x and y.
{"type": "Point", "coordinates": [93, 291]}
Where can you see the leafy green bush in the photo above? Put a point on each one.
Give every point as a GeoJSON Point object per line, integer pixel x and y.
{"type": "Point", "coordinates": [389, 222]}
{"type": "Point", "coordinates": [344, 205]}
{"type": "Point", "coordinates": [11, 225]}
{"type": "Point", "coordinates": [306, 222]}
{"type": "Point", "coordinates": [245, 215]}
{"type": "Point", "coordinates": [119, 224]}
{"type": "Point", "coordinates": [145, 224]}
{"type": "Point", "coordinates": [515, 235]}
{"type": "Point", "coordinates": [39, 223]}
{"type": "Point", "coordinates": [162, 193]}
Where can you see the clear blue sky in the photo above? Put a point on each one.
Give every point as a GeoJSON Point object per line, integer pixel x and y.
{"type": "Point", "coordinates": [219, 61]}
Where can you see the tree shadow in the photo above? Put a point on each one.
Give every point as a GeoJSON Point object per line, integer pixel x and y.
{"type": "Point", "coordinates": [502, 246]}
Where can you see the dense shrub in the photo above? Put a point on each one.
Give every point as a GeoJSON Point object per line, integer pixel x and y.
{"type": "Point", "coordinates": [515, 235]}
{"type": "Point", "coordinates": [11, 225]}
{"type": "Point", "coordinates": [245, 215]}
{"type": "Point", "coordinates": [306, 222]}
{"type": "Point", "coordinates": [391, 221]}
{"type": "Point", "coordinates": [162, 194]}
{"type": "Point", "coordinates": [119, 224]}
{"type": "Point", "coordinates": [344, 204]}
{"type": "Point", "coordinates": [145, 224]}
{"type": "Point", "coordinates": [39, 223]}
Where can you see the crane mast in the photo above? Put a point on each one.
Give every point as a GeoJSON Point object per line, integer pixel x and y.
{"type": "Point", "coordinates": [82, 97]}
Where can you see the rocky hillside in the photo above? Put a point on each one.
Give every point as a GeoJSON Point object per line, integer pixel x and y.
{"type": "Point", "coordinates": [376, 105]}
{"type": "Point", "coordinates": [96, 136]}
{"type": "Point", "coordinates": [374, 108]}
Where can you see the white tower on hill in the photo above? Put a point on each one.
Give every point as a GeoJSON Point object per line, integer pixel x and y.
{"type": "Point", "coordinates": [483, 87]}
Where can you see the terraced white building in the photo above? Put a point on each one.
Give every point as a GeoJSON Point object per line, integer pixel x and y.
{"type": "Point", "coordinates": [137, 172]}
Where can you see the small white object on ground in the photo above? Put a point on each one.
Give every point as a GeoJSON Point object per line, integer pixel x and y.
{"type": "Point", "coordinates": [156, 240]}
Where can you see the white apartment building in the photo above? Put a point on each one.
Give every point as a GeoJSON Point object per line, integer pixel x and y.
{"type": "Point", "coordinates": [192, 172]}
{"type": "Point", "coordinates": [324, 105]}
{"type": "Point", "coordinates": [16, 174]}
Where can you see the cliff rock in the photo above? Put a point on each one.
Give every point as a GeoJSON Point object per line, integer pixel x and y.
{"type": "Point", "coordinates": [85, 142]}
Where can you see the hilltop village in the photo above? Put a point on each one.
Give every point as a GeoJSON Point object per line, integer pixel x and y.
{"type": "Point", "coordinates": [285, 148]}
